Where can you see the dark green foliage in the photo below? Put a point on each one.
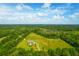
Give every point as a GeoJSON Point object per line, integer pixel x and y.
{"type": "Point", "coordinates": [15, 33]}
{"type": "Point", "coordinates": [51, 52]}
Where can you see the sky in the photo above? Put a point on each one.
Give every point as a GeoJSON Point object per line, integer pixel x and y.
{"type": "Point", "coordinates": [39, 13]}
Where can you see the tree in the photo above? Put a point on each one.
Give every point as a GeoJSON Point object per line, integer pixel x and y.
{"type": "Point", "coordinates": [51, 52]}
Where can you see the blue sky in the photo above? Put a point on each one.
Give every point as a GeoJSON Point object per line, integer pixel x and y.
{"type": "Point", "coordinates": [39, 13]}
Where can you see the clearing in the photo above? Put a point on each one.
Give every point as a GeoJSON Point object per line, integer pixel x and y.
{"type": "Point", "coordinates": [38, 42]}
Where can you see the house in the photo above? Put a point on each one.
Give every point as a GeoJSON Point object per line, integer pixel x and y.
{"type": "Point", "coordinates": [31, 43]}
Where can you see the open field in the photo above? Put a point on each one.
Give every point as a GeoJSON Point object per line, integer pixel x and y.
{"type": "Point", "coordinates": [39, 40]}
{"type": "Point", "coordinates": [42, 42]}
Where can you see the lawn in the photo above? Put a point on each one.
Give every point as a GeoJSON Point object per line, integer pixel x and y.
{"type": "Point", "coordinates": [38, 42]}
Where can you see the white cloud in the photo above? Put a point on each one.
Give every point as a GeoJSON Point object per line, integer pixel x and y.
{"type": "Point", "coordinates": [38, 20]}
{"type": "Point", "coordinates": [13, 16]}
{"type": "Point", "coordinates": [27, 7]}
{"type": "Point", "coordinates": [34, 16]}
{"type": "Point", "coordinates": [46, 5]}
{"type": "Point", "coordinates": [58, 17]}
{"type": "Point", "coordinates": [21, 7]}
{"type": "Point", "coordinates": [42, 14]}
{"type": "Point", "coordinates": [74, 16]}
{"type": "Point", "coordinates": [57, 12]}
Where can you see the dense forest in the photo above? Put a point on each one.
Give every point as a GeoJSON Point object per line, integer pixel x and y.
{"type": "Point", "coordinates": [12, 35]}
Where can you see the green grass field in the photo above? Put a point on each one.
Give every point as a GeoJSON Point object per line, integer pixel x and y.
{"type": "Point", "coordinates": [40, 42]}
